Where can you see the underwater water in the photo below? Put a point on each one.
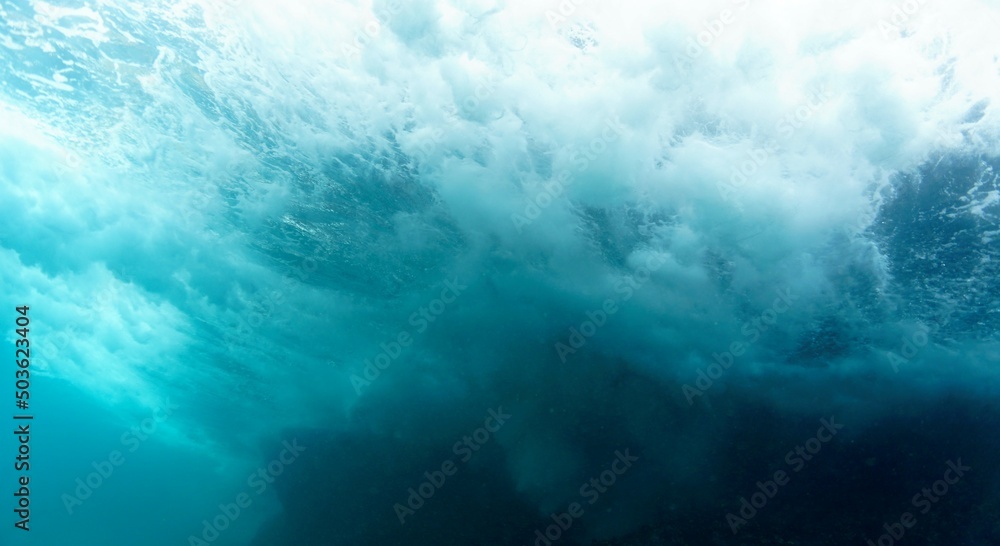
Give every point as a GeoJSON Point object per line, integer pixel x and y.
{"type": "Point", "coordinates": [488, 272]}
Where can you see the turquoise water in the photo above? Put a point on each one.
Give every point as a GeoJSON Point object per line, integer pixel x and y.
{"type": "Point", "coordinates": [501, 273]}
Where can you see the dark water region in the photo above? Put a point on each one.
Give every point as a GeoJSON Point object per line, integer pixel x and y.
{"type": "Point", "coordinates": [908, 462]}
{"type": "Point", "coordinates": [865, 477]}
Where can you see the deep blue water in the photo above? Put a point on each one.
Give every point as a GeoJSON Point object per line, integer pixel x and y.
{"type": "Point", "coordinates": [498, 273]}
